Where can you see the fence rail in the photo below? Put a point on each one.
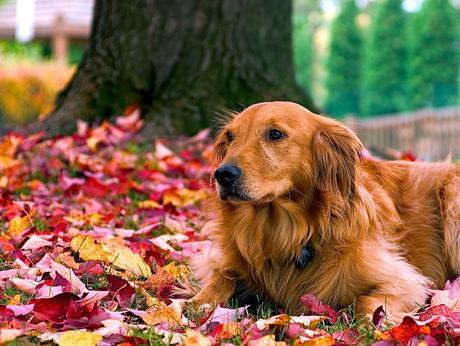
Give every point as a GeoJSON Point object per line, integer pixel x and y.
{"type": "Point", "coordinates": [432, 134]}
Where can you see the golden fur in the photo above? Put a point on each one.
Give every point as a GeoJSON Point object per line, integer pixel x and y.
{"type": "Point", "coordinates": [383, 232]}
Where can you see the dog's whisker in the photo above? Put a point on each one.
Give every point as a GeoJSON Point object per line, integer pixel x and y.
{"type": "Point", "coordinates": [301, 193]}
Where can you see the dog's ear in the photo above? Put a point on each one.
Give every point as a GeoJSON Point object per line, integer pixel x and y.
{"type": "Point", "coordinates": [336, 154]}
{"type": "Point", "coordinates": [220, 149]}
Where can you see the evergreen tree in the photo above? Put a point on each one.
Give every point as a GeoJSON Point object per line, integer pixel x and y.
{"type": "Point", "coordinates": [383, 89]}
{"type": "Point", "coordinates": [344, 63]}
{"type": "Point", "coordinates": [433, 58]}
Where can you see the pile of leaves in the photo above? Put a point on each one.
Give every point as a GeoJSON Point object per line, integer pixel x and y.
{"type": "Point", "coordinates": [96, 233]}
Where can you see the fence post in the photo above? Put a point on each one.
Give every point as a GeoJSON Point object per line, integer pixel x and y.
{"type": "Point", "coordinates": [351, 122]}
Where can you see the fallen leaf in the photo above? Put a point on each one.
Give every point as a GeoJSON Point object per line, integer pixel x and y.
{"type": "Point", "coordinates": [162, 313]}
{"type": "Point", "coordinates": [314, 305]}
{"type": "Point", "coordinates": [194, 338]}
{"type": "Point", "coordinates": [79, 338]}
{"type": "Point", "coordinates": [406, 330]}
{"type": "Point", "coordinates": [119, 257]}
{"type": "Point", "coordinates": [18, 225]}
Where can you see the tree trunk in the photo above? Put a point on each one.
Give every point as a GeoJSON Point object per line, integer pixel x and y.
{"type": "Point", "coordinates": [183, 61]}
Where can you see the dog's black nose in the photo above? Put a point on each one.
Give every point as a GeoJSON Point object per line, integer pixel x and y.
{"type": "Point", "coordinates": [226, 175]}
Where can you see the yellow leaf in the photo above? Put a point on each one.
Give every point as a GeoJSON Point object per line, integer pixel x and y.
{"type": "Point", "coordinates": [183, 197]}
{"type": "Point", "coordinates": [194, 338]}
{"type": "Point", "coordinates": [18, 225]}
{"type": "Point", "coordinates": [326, 340]}
{"type": "Point", "coordinates": [15, 300]}
{"type": "Point", "coordinates": [7, 162]}
{"type": "Point", "coordinates": [172, 197]}
{"type": "Point", "coordinates": [149, 204]}
{"type": "Point", "coordinates": [178, 272]}
{"type": "Point", "coordinates": [151, 301]}
{"type": "Point", "coordinates": [230, 329]}
{"type": "Point", "coordinates": [192, 196]}
{"type": "Point", "coordinates": [79, 338]}
{"type": "Point", "coordinates": [118, 256]}
{"type": "Point", "coordinates": [92, 143]}
{"type": "Point", "coordinates": [163, 313]}
{"type": "Point", "coordinates": [94, 218]}
{"type": "Point", "coordinates": [87, 248]}
{"type": "Point", "coordinates": [379, 335]}
{"type": "Point", "coordinates": [9, 146]}
{"type": "Point", "coordinates": [124, 258]}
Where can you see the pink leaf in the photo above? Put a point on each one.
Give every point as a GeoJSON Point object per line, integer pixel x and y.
{"type": "Point", "coordinates": [315, 306]}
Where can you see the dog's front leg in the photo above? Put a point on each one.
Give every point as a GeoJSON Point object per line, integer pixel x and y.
{"type": "Point", "coordinates": [218, 289]}
{"type": "Point", "coordinates": [397, 285]}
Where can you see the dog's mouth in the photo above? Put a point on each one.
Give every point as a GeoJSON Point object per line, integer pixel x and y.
{"type": "Point", "coordinates": [233, 193]}
{"type": "Point", "coordinates": [237, 194]}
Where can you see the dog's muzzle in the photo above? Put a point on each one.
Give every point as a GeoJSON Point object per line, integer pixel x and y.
{"type": "Point", "coordinates": [228, 177]}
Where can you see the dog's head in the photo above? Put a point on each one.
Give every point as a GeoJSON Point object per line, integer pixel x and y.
{"type": "Point", "coordinates": [275, 149]}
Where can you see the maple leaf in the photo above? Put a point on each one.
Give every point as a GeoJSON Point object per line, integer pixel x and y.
{"type": "Point", "coordinates": [406, 330]}
{"type": "Point", "coordinates": [124, 258]}
{"type": "Point", "coordinates": [119, 257]}
{"type": "Point", "coordinates": [8, 148]}
{"type": "Point", "coordinates": [314, 305]}
{"type": "Point", "coordinates": [123, 208]}
{"type": "Point", "coordinates": [161, 278]}
{"type": "Point", "coordinates": [121, 289]}
{"type": "Point", "coordinates": [194, 338]}
{"type": "Point", "coordinates": [161, 313]}
{"type": "Point", "coordinates": [53, 309]}
{"type": "Point", "coordinates": [70, 338]}
{"type": "Point", "coordinates": [18, 225]}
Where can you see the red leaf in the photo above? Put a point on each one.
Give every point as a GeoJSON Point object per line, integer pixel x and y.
{"type": "Point", "coordinates": [54, 309]}
{"type": "Point", "coordinates": [94, 188]}
{"type": "Point", "coordinates": [90, 268]}
{"type": "Point", "coordinates": [406, 330]}
{"type": "Point", "coordinates": [85, 316]}
{"type": "Point", "coordinates": [61, 281]}
{"type": "Point", "coordinates": [377, 317]}
{"type": "Point", "coordinates": [123, 291]}
{"type": "Point", "coordinates": [5, 313]}
{"type": "Point", "coordinates": [314, 305]}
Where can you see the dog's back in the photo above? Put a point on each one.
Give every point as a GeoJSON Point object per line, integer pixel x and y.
{"type": "Point", "coordinates": [418, 192]}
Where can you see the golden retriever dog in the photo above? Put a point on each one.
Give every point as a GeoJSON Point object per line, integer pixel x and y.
{"type": "Point", "coordinates": [383, 232]}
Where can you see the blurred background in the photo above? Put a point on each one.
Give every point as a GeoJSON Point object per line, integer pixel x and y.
{"type": "Point", "coordinates": [389, 68]}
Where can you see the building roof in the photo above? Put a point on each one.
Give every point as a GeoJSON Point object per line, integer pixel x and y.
{"type": "Point", "coordinates": [72, 16]}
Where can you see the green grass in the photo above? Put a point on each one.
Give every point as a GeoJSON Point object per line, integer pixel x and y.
{"type": "Point", "coordinates": [29, 341]}
{"type": "Point", "coordinates": [10, 292]}
{"type": "Point", "coordinates": [150, 336]}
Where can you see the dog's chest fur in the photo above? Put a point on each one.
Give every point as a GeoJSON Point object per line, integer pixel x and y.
{"type": "Point", "coordinates": [266, 243]}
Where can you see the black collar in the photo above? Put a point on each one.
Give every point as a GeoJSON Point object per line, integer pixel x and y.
{"type": "Point", "coordinates": [307, 254]}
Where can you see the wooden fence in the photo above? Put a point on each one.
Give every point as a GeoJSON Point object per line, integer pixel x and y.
{"type": "Point", "coordinates": [432, 134]}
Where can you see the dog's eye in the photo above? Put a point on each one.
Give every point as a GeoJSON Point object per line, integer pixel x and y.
{"type": "Point", "coordinates": [275, 135]}
{"type": "Point", "coordinates": [230, 136]}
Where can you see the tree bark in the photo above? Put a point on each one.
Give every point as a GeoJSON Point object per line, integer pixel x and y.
{"type": "Point", "coordinates": [182, 61]}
